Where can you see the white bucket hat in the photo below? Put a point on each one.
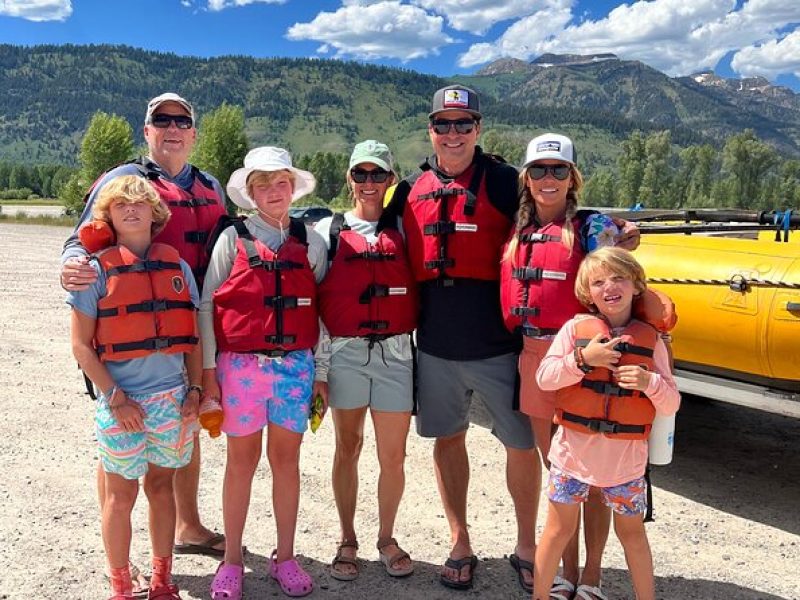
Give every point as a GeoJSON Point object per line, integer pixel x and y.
{"type": "Point", "coordinates": [267, 158]}
{"type": "Point", "coordinates": [550, 146]}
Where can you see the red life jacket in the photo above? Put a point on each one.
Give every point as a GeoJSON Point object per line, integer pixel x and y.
{"type": "Point", "coordinates": [369, 290]}
{"type": "Point", "coordinates": [268, 304]}
{"type": "Point", "coordinates": [596, 404]}
{"type": "Point", "coordinates": [194, 213]}
{"type": "Point", "coordinates": [148, 307]}
{"type": "Point", "coordinates": [453, 230]}
{"type": "Point", "coordinates": [537, 284]}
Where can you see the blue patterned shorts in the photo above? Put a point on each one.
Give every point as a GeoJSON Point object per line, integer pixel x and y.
{"type": "Point", "coordinates": [626, 499]}
{"type": "Point", "coordinates": [165, 441]}
{"type": "Point", "coordinates": [257, 390]}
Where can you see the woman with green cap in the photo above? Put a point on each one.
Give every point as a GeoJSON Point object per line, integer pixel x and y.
{"type": "Point", "coordinates": [368, 303]}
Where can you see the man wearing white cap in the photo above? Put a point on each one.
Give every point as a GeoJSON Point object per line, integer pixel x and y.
{"type": "Point", "coordinates": [196, 202]}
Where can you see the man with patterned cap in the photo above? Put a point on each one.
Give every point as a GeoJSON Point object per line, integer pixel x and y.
{"type": "Point", "coordinates": [196, 201]}
{"type": "Point", "coordinates": [457, 212]}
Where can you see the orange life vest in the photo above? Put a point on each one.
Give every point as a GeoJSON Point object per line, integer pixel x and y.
{"type": "Point", "coordinates": [268, 304]}
{"type": "Point", "coordinates": [369, 289]}
{"type": "Point", "coordinates": [148, 307]}
{"type": "Point", "coordinates": [596, 404]}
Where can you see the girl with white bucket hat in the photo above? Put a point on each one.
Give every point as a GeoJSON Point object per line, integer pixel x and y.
{"type": "Point", "coordinates": [258, 317]}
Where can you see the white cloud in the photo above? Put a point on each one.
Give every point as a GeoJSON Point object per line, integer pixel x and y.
{"type": "Point", "coordinates": [675, 36]}
{"type": "Point", "coordinates": [375, 29]}
{"type": "Point", "coordinates": [522, 40]}
{"type": "Point", "coordinates": [217, 5]}
{"type": "Point", "coordinates": [37, 10]}
{"type": "Point", "coordinates": [771, 59]}
{"type": "Point", "coordinates": [477, 16]}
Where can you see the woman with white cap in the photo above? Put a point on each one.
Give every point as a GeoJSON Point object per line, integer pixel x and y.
{"type": "Point", "coordinates": [538, 272]}
{"type": "Point", "coordinates": [258, 317]}
{"type": "Point", "coordinates": [368, 302]}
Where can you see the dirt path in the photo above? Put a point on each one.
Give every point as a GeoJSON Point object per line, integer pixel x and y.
{"type": "Point", "coordinates": [727, 509]}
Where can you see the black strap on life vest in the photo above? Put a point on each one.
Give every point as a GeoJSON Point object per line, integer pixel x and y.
{"type": "Point", "coordinates": [624, 347]}
{"type": "Point", "coordinates": [159, 305]}
{"type": "Point", "coordinates": [337, 224]}
{"type": "Point", "coordinates": [155, 344]}
{"type": "Point", "coordinates": [144, 266]}
{"type": "Point", "coordinates": [601, 425]}
{"type": "Point", "coordinates": [532, 331]}
{"type": "Point", "coordinates": [278, 302]}
{"type": "Point", "coordinates": [606, 388]}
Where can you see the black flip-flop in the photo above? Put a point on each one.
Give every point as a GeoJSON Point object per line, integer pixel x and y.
{"type": "Point", "coordinates": [519, 564]}
{"type": "Point", "coordinates": [206, 548]}
{"type": "Point", "coordinates": [458, 564]}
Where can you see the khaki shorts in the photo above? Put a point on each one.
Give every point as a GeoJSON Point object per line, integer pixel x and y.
{"type": "Point", "coordinates": [448, 387]}
{"type": "Point", "coordinates": [380, 377]}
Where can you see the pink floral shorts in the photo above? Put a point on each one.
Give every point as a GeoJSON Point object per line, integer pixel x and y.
{"type": "Point", "coordinates": [257, 390]}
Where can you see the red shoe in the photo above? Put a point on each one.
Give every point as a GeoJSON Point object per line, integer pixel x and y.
{"type": "Point", "coordinates": [165, 592]}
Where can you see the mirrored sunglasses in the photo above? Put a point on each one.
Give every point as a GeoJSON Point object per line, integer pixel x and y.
{"type": "Point", "coordinates": [462, 126]}
{"type": "Point", "coordinates": [361, 176]}
{"type": "Point", "coordinates": [163, 121]}
{"type": "Point", "coordinates": [560, 172]}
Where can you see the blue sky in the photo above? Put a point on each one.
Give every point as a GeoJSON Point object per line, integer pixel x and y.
{"type": "Point", "coordinates": [734, 37]}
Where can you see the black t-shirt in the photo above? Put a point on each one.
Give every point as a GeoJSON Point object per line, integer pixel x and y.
{"type": "Point", "coordinates": [464, 322]}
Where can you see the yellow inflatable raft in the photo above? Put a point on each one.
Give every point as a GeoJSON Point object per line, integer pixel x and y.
{"type": "Point", "coordinates": [737, 300]}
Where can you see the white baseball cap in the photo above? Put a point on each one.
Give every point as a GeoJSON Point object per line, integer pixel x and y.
{"type": "Point", "coordinates": [153, 105]}
{"type": "Point", "coordinates": [267, 158]}
{"type": "Point", "coordinates": [552, 146]}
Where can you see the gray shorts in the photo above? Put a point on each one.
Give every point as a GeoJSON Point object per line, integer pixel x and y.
{"type": "Point", "coordinates": [446, 389]}
{"type": "Point", "coordinates": [380, 378]}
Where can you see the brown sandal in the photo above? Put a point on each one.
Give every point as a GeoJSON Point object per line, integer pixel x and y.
{"type": "Point", "coordinates": [389, 562]}
{"type": "Point", "coordinates": [339, 559]}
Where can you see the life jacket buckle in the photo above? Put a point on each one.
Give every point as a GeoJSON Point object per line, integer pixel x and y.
{"type": "Point", "coordinates": [281, 302]}
{"type": "Point", "coordinates": [439, 228]}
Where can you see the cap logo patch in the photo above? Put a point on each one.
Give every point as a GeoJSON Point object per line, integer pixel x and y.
{"type": "Point", "coordinates": [548, 147]}
{"type": "Point", "coordinates": [456, 98]}
{"type": "Point", "coordinates": [178, 284]}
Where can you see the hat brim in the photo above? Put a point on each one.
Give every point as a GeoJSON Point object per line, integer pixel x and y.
{"type": "Point", "coordinates": [474, 113]}
{"type": "Point", "coordinates": [548, 156]}
{"type": "Point", "coordinates": [304, 184]}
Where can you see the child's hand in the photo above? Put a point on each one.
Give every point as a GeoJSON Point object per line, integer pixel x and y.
{"type": "Point", "coordinates": [191, 406]}
{"type": "Point", "coordinates": [632, 377]}
{"type": "Point", "coordinates": [128, 415]}
{"type": "Point", "coordinates": [601, 354]}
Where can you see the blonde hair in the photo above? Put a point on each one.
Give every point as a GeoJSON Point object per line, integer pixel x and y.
{"type": "Point", "coordinates": [129, 189]}
{"type": "Point", "coordinates": [616, 260]}
{"type": "Point", "coordinates": [526, 213]}
{"type": "Point", "coordinates": [267, 178]}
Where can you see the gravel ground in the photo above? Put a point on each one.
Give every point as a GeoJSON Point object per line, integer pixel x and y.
{"type": "Point", "coordinates": [726, 526]}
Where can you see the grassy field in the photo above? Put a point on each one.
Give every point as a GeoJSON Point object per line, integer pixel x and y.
{"type": "Point", "coordinates": [39, 220]}
{"type": "Point", "coordinates": [37, 202]}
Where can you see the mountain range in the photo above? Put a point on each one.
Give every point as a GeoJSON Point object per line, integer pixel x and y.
{"type": "Point", "coordinates": [49, 93]}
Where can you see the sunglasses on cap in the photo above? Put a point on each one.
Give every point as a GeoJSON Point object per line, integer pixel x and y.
{"type": "Point", "coordinates": [361, 176]}
{"type": "Point", "coordinates": [560, 172]}
{"type": "Point", "coordinates": [162, 121]}
{"type": "Point", "coordinates": [443, 126]}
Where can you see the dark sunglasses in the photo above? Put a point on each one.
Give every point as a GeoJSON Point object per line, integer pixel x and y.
{"type": "Point", "coordinates": [560, 172]}
{"type": "Point", "coordinates": [163, 121]}
{"type": "Point", "coordinates": [361, 176]}
{"type": "Point", "coordinates": [462, 126]}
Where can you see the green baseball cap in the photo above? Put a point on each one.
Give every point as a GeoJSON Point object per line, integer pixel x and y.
{"type": "Point", "coordinates": [370, 151]}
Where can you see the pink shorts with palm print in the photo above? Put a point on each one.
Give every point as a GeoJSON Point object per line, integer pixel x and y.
{"type": "Point", "coordinates": [257, 390]}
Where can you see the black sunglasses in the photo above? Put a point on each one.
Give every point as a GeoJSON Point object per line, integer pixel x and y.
{"type": "Point", "coordinates": [162, 121]}
{"type": "Point", "coordinates": [361, 176]}
{"type": "Point", "coordinates": [560, 172]}
{"type": "Point", "coordinates": [462, 126]}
